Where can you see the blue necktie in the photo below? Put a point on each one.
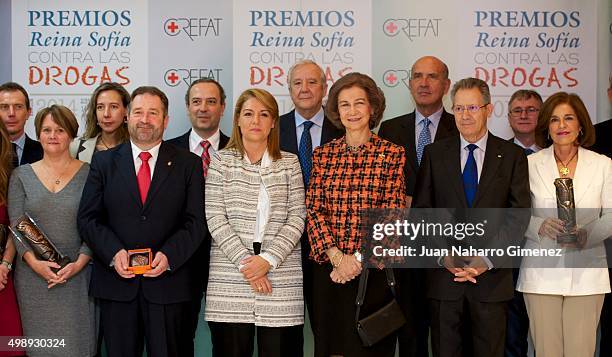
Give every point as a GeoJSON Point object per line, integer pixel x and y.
{"type": "Point", "coordinates": [305, 152]}
{"type": "Point", "coordinates": [424, 139]}
{"type": "Point", "coordinates": [528, 151]}
{"type": "Point", "coordinates": [470, 176]}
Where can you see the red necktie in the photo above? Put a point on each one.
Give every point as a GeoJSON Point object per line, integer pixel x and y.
{"type": "Point", "coordinates": [205, 156]}
{"type": "Point", "coordinates": [144, 175]}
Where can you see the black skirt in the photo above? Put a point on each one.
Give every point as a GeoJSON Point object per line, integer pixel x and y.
{"type": "Point", "coordinates": [334, 328]}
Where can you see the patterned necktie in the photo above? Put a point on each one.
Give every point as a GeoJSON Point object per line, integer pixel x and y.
{"type": "Point", "coordinates": [144, 175]}
{"type": "Point", "coordinates": [528, 151]}
{"type": "Point", "coordinates": [470, 176]}
{"type": "Point", "coordinates": [15, 156]}
{"type": "Point", "coordinates": [424, 139]}
{"type": "Point", "coordinates": [205, 156]}
{"type": "Point", "coordinates": [305, 152]}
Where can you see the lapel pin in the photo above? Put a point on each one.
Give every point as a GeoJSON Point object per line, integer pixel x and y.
{"type": "Point", "coordinates": [169, 163]}
{"type": "Point", "coordinates": [499, 155]}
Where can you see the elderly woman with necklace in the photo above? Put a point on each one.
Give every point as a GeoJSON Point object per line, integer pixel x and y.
{"type": "Point", "coordinates": [350, 174]}
{"type": "Point", "coordinates": [564, 303]}
{"type": "Point", "coordinates": [54, 302]}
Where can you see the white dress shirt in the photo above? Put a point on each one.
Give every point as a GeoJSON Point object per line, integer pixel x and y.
{"type": "Point", "coordinates": [195, 140]}
{"type": "Point", "coordinates": [154, 151]}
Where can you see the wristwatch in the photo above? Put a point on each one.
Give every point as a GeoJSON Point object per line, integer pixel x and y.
{"type": "Point", "coordinates": [8, 264]}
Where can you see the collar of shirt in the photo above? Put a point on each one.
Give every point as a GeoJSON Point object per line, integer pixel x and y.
{"type": "Point", "coordinates": [195, 140]}
{"type": "Point", "coordinates": [20, 142]}
{"type": "Point", "coordinates": [315, 131]}
{"type": "Point", "coordinates": [533, 147]}
{"type": "Point", "coordinates": [266, 160]}
{"type": "Point", "coordinates": [479, 153]}
{"type": "Point", "coordinates": [154, 151]}
{"type": "Point", "coordinates": [434, 118]}
{"type": "Point", "coordinates": [366, 147]}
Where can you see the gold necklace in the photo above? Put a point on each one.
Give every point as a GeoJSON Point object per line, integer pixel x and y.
{"type": "Point", "coordinates": [57, 180]}
{"type": "Point", "coordinates": [103, 142]}
{"type": "Point", "coordinates": [564, 170]}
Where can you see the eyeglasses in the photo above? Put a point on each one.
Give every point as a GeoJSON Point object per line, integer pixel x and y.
{"type": "Point", "coordinates": [473, 108]}
{"type": "Point", "coordinates": [516, 112]}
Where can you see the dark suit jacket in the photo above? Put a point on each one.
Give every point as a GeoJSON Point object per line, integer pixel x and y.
{"type": "Point", "coordinates": [288, 142]}
{"type": "Point", "coordinates": [401, 131]}
{"type": "Point", "coordinates": [603, 138]}
{"type": "Point", "coordinates": [183, 140]}
{"type": "Point", "coordinates": [504, 183]}
{"type": "Point", "coordinates": [111, 217]}
{"type": "Point", "coordinates": [32, 152]}
{"type": "Point", "coordinates": [201, 258]}
{"type": "Point", "coordinates": [288, 136]}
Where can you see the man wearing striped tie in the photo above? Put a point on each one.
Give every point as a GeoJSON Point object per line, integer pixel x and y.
{"type": "Point", "coordinates": [523, 110]}
{"type": "Point", "coordinates": [428, 84]}
{"type": "Point", "coordinates": [205, 101]}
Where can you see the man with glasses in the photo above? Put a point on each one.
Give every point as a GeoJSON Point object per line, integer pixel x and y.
{"type": "Point", "coordinates": [429, 122]}
{"type": "Point", "coordinates": [14, 111]}
{"type": "Point", "coordinates": [523, 110]}
{"type": "Point", "coordinates": [472, 170]}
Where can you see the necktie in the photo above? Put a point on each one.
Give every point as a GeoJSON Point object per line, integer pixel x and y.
{"type": "Point", "coordinates": [144, 175]}
{"type": "Point", "coordinates": [470, 176]}
{"type": "Point", "coordinates": [305, 152]}
{"type": "Point", "coordinates": [424, 139]}
{"type": "Point", "coordinates": [205, 156]}
{"type": "Point", "coordinates": [528, 151]}
{"type": "Point", "coordinates": [15, 156]}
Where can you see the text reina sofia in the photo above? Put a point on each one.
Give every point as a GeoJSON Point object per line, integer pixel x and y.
{"type": "Point", "coordinates": [510, 251]}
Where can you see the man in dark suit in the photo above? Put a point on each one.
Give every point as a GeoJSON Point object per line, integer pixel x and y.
{"type": "Point", "coordinates": [472, 170]}
{"type": "Point", "coordinates": [144, 193]}
{"type": "Point", "coordinates": [205, 101]}
{"type": "Point", "coordinates": [523, 109]}
{"type": "Point", "coordinates": [15, 110]}
{"type": "Point", "coordinates": [301, 131]}
{"type": "Point", "coordinates": [428, 84]}
{"type": "Point", "coordinates": [603, 145]}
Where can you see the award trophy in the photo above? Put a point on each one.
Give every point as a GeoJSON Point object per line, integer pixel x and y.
{"type": "Point", "coordinates": [566, 210]}
{"type": "Point", "coordinates": [30, 235]}
{"type": "Point", "coordinates": [3, 239]}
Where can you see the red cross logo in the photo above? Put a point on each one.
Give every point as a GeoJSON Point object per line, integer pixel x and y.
{"type": "Point", "coordinates": [172, 27]}
{"type": "Point", "coordinates": [173, 77]}
{"type": "Point", "coordinates": [391, 78]}
{"type": "Point", "coordinates": [391, 27]}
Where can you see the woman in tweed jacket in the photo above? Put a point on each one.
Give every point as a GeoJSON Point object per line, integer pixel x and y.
{"type": "Point", "coordinates": [255, 212]}
{"type": "Point", "coordinates": [350, 174]}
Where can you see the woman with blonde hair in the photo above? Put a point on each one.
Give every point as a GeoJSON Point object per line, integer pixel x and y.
{"type": "Point", "coordinates": [255, 212]}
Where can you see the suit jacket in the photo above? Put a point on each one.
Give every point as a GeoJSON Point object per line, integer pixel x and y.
{"type": "Point", "coordinates": [201, 259]}
{"type": "Point", "coordinates": [288, 135]}
{"type": "Point", "coordinates": [183, 140]}
{"type": "Point", "coordinates": [593, 198]}
{"type": "Point", "coordinates": [603, 138]}
{"type": "Point", "coordinates": [289, 143]}
{"type": "Point", "coordinates": [32, 152]}
{"type": "Point", "coordinates": [401, 131]}
{"type": "Point", "coordinates": [111, 217]}
{"type": "Point", "coordinates": [83, 149]}
{"type": "Point", "coordinates": [503, 184]}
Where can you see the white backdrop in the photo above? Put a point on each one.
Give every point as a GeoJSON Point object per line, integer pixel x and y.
{"type": "Point", "coordinates": [62, 49]}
